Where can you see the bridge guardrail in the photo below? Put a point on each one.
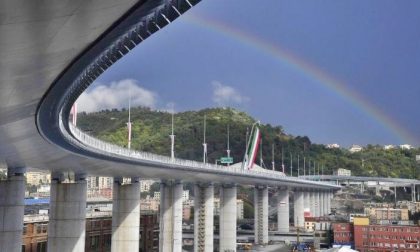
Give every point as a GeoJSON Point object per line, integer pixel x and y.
{"type": "Point", "coordinates": [80, 137]}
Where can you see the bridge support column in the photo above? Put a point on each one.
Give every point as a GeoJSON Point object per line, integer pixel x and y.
{"type": "Point", "coordinates": [283, 209]}
{"type": "Point", "coordinates": [413, 193]}
{"type": "Point", "coordinates": [203, 218]}
{"type": "Point", "coordinates": [306, 201]}
{"type": "Point", "coordinates": [66, 227]}
{"type": "Point", "coordinates": [261, 214]}
{"type": "Point", "coordinates": [170, 216]}
{"type": "Point", "coordinates": [317, 203]}
{"type": "Point", "coordinates": [326, 203]}
{"type": "Point", "coordinates": [125, 215]}
{"type": "Point", "coordinates": [312, 203]}
{"type": "Point", "coordinates": [227, 223]}
{"type": "Point", "coordinates": [12, 194]}
{"type": "Point", "coordinates": [299, 218]}
{"type": "Point", "coordinates": [321, 203]}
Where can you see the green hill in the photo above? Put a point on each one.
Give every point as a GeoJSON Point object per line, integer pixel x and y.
{"type": "Point", "coordinates": [151, 129]}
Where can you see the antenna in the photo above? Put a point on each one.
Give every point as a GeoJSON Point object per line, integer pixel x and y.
{"type": "Point", "coordinates": [228, 143]}
{"type": "Point", "coordinates": [298, 167]}
{"type": "Point", "coordinates": [204, 143]}
{"type": "Point", "coordinates": [282, 159]}
{"type": "Point", "coordinates": [129, 118]}
{"type": "Point", "coordinates": [172, 136]}
{"type": "Point", "coordinates": [291, 165]}
{"type": "Point", "coordinates": [272, 157]}
{"type": "Point", "coordinates": [261, 159]}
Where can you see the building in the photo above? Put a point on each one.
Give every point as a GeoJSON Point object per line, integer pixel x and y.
{"type": "Point", "coordinates": [186, 212]}
{"type": "Point", "coordinates": [145, 185]}
{"type": "Point", "coordinates": [352, 215]}
{"type": "Point", "coordinates": [375, 237]}
{"type": "Point", "coordinates": [105, 182]}
{"type": "Point", "coordinates": [342, 172]}
{"type": "Point", "coordinates": [333, 146]}
{"type": "Point", "coordinates": [149, 204]}
{"type": "Point", "coordinates": [240, 209]}
{"type": "Point", "coordinates": [389, 147]}
{"type": "Point", "coordinates": [387, 213]}
{"type": "Point", "coordinates": [317, 223]}
{"type": "Point", "coordinates": [156, 196]}
{"type": "Point", "coordinates": [185, 195]}
{"type": "Point", "coordinates": [406, 147]}
{"type": "Point", "coordinates": [343, 234]}
{"type": "Point", "coordinates": [355, 148]}
{"type": "Point", "coordinates": [38, 178]}
{"type": "Point", "coordinates": [98, 232]}
{"type": "Point", "coordinates": [413, 207]}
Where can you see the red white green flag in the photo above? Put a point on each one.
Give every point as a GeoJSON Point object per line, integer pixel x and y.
{"type": "Point", "coordinates": [253, 148]}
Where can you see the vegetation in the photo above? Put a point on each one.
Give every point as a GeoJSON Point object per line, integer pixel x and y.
{"type": "Point", "coordinates": [151, 129]}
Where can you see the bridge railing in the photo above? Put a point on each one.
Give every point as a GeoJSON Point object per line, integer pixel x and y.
{"type": "Point", "coordinates": [102, 146]}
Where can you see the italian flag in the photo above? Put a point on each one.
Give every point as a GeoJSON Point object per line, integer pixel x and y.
{"type": "Point", "coordinates": [253, 148]}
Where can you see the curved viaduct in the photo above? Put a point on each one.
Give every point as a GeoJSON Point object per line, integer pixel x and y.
{"type": "Point", "coordinates": [50, 52]}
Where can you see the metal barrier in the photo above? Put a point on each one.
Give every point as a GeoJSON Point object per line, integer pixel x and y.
{"type": "Point", "coordinates": [81, 138]}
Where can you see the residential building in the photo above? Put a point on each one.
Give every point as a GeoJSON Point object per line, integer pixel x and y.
{"type": "Point", "coordinates": [105, 182]}
{"type": "Point", "coordinates": [186, 212]}
{"type": "Point", "coordinates": [240, 209]}
{"type": "Point", "coordinates": [98, 232]}
{"type": "Point", "coordinates": [145, 185]}
{"type": "Point", "coordinates": [317, 223]}
{"type": "Point", "coordinates": [149, 204]}
{"type": "Point", "coordinates": [389, 147]}
{"type": "Point", "coordinates": [343, 233]}
{"type": "Point", "coordinates": [156, 196]}
{"type": "Point", "coordinates": [332, 146]}
{"type": "Point", "coordinates": [185, 195]}
{"type": "Point", "coordinates": [355, 148]}
{"type": "Point", "coordinates": [38, 178]}
{"type": "Point", "coordinates": [384, 238]}
{"type": "Point", "coordinates": [406, 147]}
{"type": "Point", "coordinates": [387, 213]}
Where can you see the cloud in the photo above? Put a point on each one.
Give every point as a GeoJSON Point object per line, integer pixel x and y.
{"type": "Point", "coordinates": [116, 95]}
{"type": "Point", "coordinates": [224, 95]}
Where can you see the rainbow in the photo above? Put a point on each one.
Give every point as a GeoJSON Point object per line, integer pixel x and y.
{"type": "Point", "coordinates": [309, 70]}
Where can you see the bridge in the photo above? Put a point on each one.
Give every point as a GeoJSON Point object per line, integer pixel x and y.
{"type": "Point", "coordinates": [49, 54]}
{"type": "Point", "coordinates": [380, 181]}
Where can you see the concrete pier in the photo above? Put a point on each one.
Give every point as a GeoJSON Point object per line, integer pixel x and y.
{"type": "Point", "coordinates": [318, 203]}
{"type": "Point", "coordinates": [283, 209]}
{"type": "Point", "coordinates": [299, 218]}
{"type": "Point", "coordinates": [312, 203]}
{"type": "Point", "coordinates": [170, 237]}
{"type": "Point", "coordinates": [306, 201]}
{"type": "Point", "coordinates": [66, 227]}
{"type": "Point", "coordinates": [228, 217]}
{"type": "Point", "coordinates": [321, 203]}
{"type": "Point", "coordinates": [12, 194]}
{"type": "Point", "coordinates": [203, 218]}
{"type": "Point", "coordinates": [125, 216]}
{"type": "Point", "coordinates": [261, 214]}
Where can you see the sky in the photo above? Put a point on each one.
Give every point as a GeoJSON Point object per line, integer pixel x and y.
{"type": "Point", "coordinates": [343, 72]}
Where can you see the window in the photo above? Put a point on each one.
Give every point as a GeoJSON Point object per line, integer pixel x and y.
{"type": "Point", "coordinates": [94, 243]}
{"type": "Point", "coordinates": [41, 247]}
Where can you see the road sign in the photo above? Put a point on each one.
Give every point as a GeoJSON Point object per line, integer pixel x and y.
{"type": "Point", "coordinates": [226, 160]}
